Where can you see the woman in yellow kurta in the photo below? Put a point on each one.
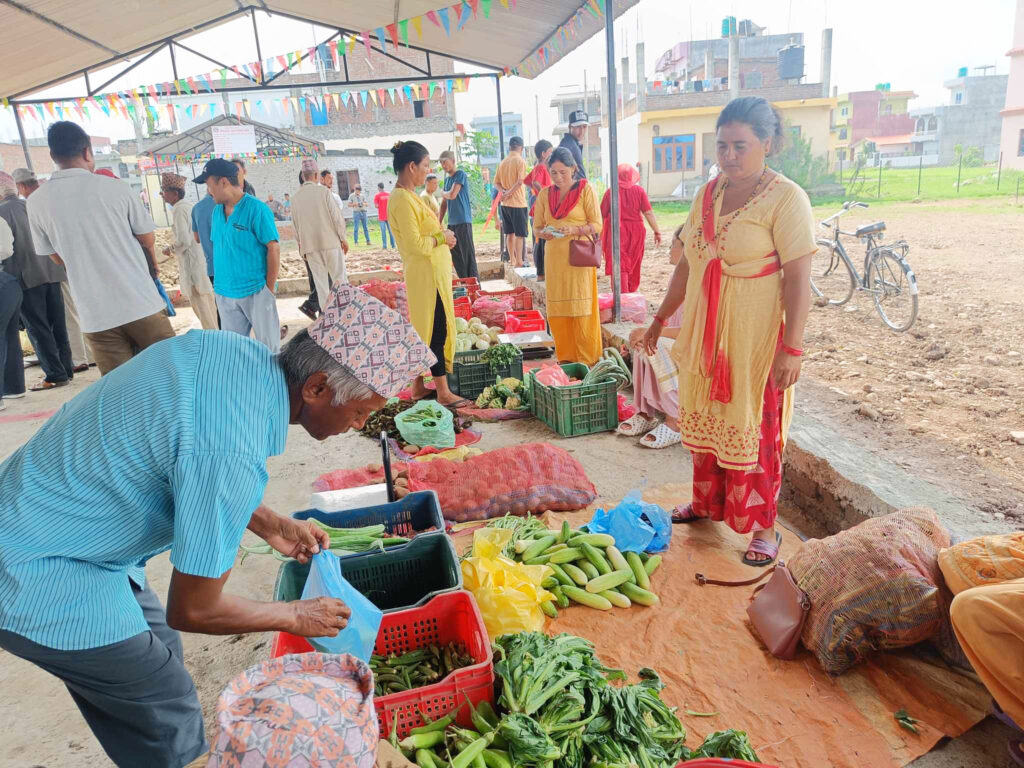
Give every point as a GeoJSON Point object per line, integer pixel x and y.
{"type": "Point", "coordinates": [571, 208]}
{"type": "Point", "coordinates": [747, 249]}
{"type": "Point", "coordinates": [427, 263]}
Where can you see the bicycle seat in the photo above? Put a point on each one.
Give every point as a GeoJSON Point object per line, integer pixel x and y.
{"type": "Point", "coordinates": [870, 229]}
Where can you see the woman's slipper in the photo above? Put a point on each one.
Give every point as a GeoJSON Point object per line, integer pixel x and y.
{"type": "Point", "coordinates": [662, 436]}
{"type": "Point", "coordinates": [463, 403]}
{"type": "Point", "coordinates": [1002, 716]}
{"type": "Point", "coordinates": [685, 514]}
{"type": "Point", "coordinates": [762, 547]}
{"type": "Point", "coordinates": [1016, 747]}
{"type": "Point", "coordinates": [636, 425]}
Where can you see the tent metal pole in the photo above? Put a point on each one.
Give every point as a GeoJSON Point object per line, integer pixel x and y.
{"type": "Point", "coordinates": [24, 141]}
{"type": "Point", "coordinates": [501, 123]}
{"type": "Point", "coordinates": [613, 155]}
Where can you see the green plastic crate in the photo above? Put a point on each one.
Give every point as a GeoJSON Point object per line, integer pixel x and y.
{"type": "Point", "coordinates": [469, 377]}
{"type": "Point", "coordinates": [580, 409]}
{"type": "Point", "coordinates": [398, 578]}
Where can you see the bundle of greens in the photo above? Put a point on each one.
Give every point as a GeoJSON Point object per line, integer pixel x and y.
{"type": "Point", "coordinates": [508, 394]}
{"type": "Point", "coordinates": [344, 541]}
{"type": "Point", "coordinates": [732, 744]}
{"type": "Point", "coordinates": [500, 356]}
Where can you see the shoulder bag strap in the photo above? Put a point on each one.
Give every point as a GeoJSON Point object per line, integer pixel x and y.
{"type": "Point", "coordinates": [701, 579]}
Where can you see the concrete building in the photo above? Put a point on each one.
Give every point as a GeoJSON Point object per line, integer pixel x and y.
{"type": "Point", "coordinates": [512, 123]}
{"type": "Point", "coordinates": [670, 134]}
{"type": "Point", "coordinates": [971, 119]}
{"type": "Point", "coordinates": [1012, 130]}
{"type": "Point", "coordinates": [571, 101]}
{"type": "Point", "coordinates": [865, 115]}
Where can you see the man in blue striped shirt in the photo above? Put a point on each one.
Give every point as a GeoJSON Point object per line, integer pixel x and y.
{"type": "Point", "coordinates": [168, 452]}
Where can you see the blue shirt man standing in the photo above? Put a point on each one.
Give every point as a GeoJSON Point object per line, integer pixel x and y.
{"type": "Point", "coordinates": [455, 202]}
{"type": "Point", "coordinates": [202, 223]}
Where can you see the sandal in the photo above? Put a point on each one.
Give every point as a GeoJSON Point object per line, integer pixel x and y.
{"type": "Point", "coordinates": [1002, 716]}
{"type": "Point", "coordinates": [685, 514]}
{"type": "Point", "coordinates": [636, 425]}
{"type": "Point", "coordinates": [1016, 747]}
{"type": "Point", "coordinates": [762, 547]}
{"type": "Point", "coordinates": [663, 437]}
{"type": "Point", "coordinates": [463, 403]}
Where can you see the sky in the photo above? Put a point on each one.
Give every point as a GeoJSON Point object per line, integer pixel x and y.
{"type": "Point", "coordinates": [910, 44]}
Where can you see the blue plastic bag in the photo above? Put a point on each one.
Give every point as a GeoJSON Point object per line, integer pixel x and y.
{"type": "Point", "coordinates": [163, 295]}
{"type": "Point", "coordinates": [360, 634]}
{"type": "Point", "coordinates": [636, 525]}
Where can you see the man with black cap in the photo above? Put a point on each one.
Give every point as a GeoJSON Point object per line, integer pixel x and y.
{"type": "Point", "coordinates": [246, 254]}
{"type": "Point", "coordinates": [579, 124]}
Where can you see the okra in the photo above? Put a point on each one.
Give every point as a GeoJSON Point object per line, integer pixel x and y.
{"type": "Point", "coordinates": [576, 575]}
{"type": "Point", "coordinates": [616, 598]}
{"type": "Point", "coordinates": [437, 725]}
{"type": "Point", "coordinates": [596, 558]}
{"type": "Point", "coordinates": [588, 568]}
{"type": "Point", "coordinates": [561, 574]}
{"type": "Point", "coordinates": [639, 594]}
{"type": "Point", "coordinates": [537, 547]}
{"type": "Point", "coordinates": [566, 555]}
{"type": "Point", "coordinates": [477, 717]}
{"type": "Point", "coordinates": [583, 597]}
{"type": "Point", "coordinates": [652, 564]}
{"type": "Point", "coordinates": [608, 581]}
{"type": "Point", "coordinates": [642, 579]}
{"type": "Point", "coordinates": [548, 606]}
{"type": "Point", "coordinates": [427, 740]}
{"type": "Point", "coordinates": [618, 561]}
{"type": "Point", "coordinates": [426, 759]}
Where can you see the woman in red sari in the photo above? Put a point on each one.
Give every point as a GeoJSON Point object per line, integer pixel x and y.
{"type": "Point", "coordinates": [634, 207]}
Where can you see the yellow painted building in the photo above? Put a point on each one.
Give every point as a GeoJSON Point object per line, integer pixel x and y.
{"type": "Point", "coordinates": [866, 114]}
{"type": "Point", "coordinates": [677, 146]}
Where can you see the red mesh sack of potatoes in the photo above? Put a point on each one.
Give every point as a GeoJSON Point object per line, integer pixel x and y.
{"type": "Point", "coordinates": [492, 309]}
{"type": "Point", "coordinates": [535, 477]}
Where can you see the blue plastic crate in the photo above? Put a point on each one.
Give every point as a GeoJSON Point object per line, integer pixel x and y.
{"type": "Point", "coordinates": [416, 513]}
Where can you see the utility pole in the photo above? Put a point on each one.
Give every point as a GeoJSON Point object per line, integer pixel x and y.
{"type": "Point", "coordinates": [586, 136]}
{"type": "Point", "coordinates": [536, 109]}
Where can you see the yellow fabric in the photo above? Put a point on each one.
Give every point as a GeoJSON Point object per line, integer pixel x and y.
{"type": "Point", "coordinates": [982, 561]}
{"type": "Point", "coordinates": [989, 623]}
{"type": "Point", "coordinates": [510, 171]}
{"type": "Point", "coordinates": [431, 202]}
{"type": "Point", "coordinates": [578, 339]}
{"type": "Point", "coordinates": [749, 319]}
{"type": "Point", "coordinates": [427, 266]}
{"type": "Point", "coordinates": [571, 291]}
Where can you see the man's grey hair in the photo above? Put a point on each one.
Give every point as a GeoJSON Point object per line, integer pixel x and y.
{"type": "Point", "coordinates": [302, 357]}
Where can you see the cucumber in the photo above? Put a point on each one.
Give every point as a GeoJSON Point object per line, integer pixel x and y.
{"type": "Point", "coordinates": [565, 533]}
{"type": "Point", "coordinates": [588, 568]}
{"type": "Point", "coordinates": [637, 594]}
{"type": "Point", "coordinates": [608, 581]}
{"type": "Point", "coordinates": [538, 560]}
{"type": "Point", "coordinates": [594, 539]}
{"type": "Point", "coordinates": [560, 598]}
{"type": "Point", "coordinates": [549, 582]}
{"type": "Point", "coordinates": [560, 574]}
{"type": "Point", "coordinates": [642, 579]}
{"type": "Point", "coordinates": [616, 598]}
{"type": "Point", "coordinates": [567, 555]}
{"type": "Point", "coordinates": [555, 548]}
{"type": "Point", "coordinates": [652, 564]}
{"type": "Point", "coordinates": [596, 558]}
{"type": "Point", "coordinates": [575, 575]}
{"type": "Point", "coordinates": [548, 606]}
{"type": "Point", "coordinates": [583, 597]}
{"type": "Point", "coordinates": [538, 546]}
{"type": "Point", "coordinates": [618, 561]}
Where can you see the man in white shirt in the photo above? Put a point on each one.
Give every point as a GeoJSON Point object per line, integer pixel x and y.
{"type": "Point", "coordinates": [327, 179]}
{"type": "Point", "coordinates": [192, 278]}
{"type": "Point", "coordinates": [320, 230]}
{"type": "Point", "coordinates": [95, 226]}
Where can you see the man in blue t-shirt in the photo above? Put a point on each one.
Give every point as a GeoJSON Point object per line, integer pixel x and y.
{"type": "Point", "coordinates": [247, 256]}
{"type": "Point", "coordinates": [455, 202]}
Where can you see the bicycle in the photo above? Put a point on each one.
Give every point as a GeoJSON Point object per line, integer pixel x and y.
{"type": "Point", "coordinates": [887, 273]}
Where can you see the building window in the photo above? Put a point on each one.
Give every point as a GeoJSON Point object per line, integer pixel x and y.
{"type": "Point", "coordinates": [933, 123]}
{"type": "Point", "coordinates": [1020, 144]}
{"type": "Point", "coordinates": [673, 153]}
{"type": "Point", "coordinates": [842, 134]}
{"type": "Point", "coordinates": [347, 181]}
{"type": "Point", "coordinates": [958, 98]}
{"type": "Point", "coordinates": [419, 109]}
{"type": "Point", "coordinates": [844, 112]}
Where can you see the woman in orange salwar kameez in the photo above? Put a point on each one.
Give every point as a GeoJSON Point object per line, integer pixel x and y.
{"type": "Point", "coordinates": [747, 249]}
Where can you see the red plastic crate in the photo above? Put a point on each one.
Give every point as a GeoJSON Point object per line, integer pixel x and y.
{"type": "Point", "coordinates": [522, 297]}
{"type": "Point", "coordinates": [464, 307]}
{"type": "Point", "coordinates": [449, 617]}
{"type": "Point", "coordinates": [471, 284]}
{"type": "Point", "coordinates": [527, 320]}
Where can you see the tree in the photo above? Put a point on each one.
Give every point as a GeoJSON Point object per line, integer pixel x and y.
{"type": "Point", "coordinates": [480, 144]}
{"type": "Point", "coordinates": [796, 162]}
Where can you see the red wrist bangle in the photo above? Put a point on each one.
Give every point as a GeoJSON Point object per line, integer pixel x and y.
{"type": "Point", "coordinates": [659, 321]}
{"type": "Point", "coordinates": [792, 351]}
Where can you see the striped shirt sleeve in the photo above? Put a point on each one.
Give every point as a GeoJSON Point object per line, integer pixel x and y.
{"type": "Point", "coordinates": [214, 498]}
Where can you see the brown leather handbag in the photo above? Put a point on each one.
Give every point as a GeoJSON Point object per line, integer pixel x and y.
{"type": "Point", "coordinates": [778, 613]}
{"type": "Point", "coordinates": [585, 252]}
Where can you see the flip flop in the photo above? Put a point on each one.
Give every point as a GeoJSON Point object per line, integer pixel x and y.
{"type": "Point", "coordinates": [762, 547]}
{"type": "Point", "coordinates": [685, 514]}
{"type": "Point", "coordinates": [1016, 747]}
{"type": "Point", "coordinates": [636, 425]}
{"type": "Point", "coordinates": [664, 437]}
{"type": "Point", "coordinates": [463, 403]}
{"type": "Point", "coordinates": [1001, 715]}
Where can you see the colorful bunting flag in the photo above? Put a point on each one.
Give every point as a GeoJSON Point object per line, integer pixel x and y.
{"type": "Point", "coordinates": [417, 24]}
{"type": "Point", "coordinates": [432, 15]}
{"type": "Point", "coordinates": [193, 86]}
{"type": "Point", "coordinates": [373, 97]}
{"type": "Point", "coordinates": [443, 13]}
{"type": "Point", "coordinates": [403, 29]}
{"type": "Point", "coordinates": [381, 38]}
{"type": "Point", "coordinates": [393, 32]}
{"type": "Point", "coordinates": [433, 85]}
{"type": "Point", "coordinates": [364, 96]}
{"type": "Point", "coordinates": [465, 14]}
{"type": "Point", "coordinates": [487, 8]}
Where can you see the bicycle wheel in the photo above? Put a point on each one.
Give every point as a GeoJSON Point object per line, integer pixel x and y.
{"type": "Point", "coordinates": [893, 286]}
{"type": "Point", "coordinates": [832, 279]}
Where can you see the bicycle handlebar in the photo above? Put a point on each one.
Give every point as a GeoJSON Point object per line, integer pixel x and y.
{"type": "Point", "coordinates": [847, 206]}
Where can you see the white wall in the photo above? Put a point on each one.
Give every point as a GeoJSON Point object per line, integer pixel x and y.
{"type": "Point", "coordinates": [436, 143]}
{"type": "Point", "coordinates": [628, 144]}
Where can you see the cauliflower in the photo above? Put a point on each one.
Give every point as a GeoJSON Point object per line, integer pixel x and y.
{"type": "Point", "coordinates": [483, 399]}
{"type": "Point", "coordinates": [482, 344]}
{"type": "Point", "coordinates": [513, 384]}
{"type": "Point", "coordinates": [497, 403]}
{"type": "Point", "coordinates": [514, 403]}
{"type": "Point", "coordinates": [461, 326]}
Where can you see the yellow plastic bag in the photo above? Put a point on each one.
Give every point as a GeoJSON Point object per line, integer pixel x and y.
{"type": "Point", "coordinates": [509, 594]}
{"type": "Point", "coordinates": [982, 561]}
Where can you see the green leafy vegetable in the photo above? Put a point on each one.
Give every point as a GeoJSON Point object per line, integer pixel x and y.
{"type": "Point", "coordinates": [905, 720]}
{"type": "Point", "coordinates": [500, 356]}
{"type": "Point", "coordinates": [732, 744]}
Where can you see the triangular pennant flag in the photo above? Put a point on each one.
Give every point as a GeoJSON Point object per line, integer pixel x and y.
{"type": "Point", "coordinates": [345, 97]}
{"type": "Point", "coordinates": [124, 112]}
{"type": "Point", "coordinates": [192, 85]}
{"type": "Point", "coordinates": [465, 15]}
{"type": "Point", "coordinates": [188, 111]}
{"type": "Point", "coordinates": [238, 109]}
{"type": "Point", "coordinates": [207, 82]}
{"type": "Point", "coordinates": [49, 108]}
{"type": "Point", "coordinates": [352, 44]}
{"type": "Point", "coordinates": [366, 42]}
{"type": "Point", "coordinates": [333, 48]}
{"type": "Point", "coordinates": [283, 62]}
{"type": "Point", "coordinates": [284, 107]}
{"type": "Point", "coordinates": [443, 13]}
{"type": "Point", "coordinates": [302, 104]}
{"type": "Point", "coordinates": [373, 97]}
{"type": "Point", "coordinates": [433, 85]}
{"type": "Point", "coordinates": [177, 86]}
{"type": "Point", "coordinates": [364, 96]}
{"type": "Point", "coordinates": [381, 38]}
{"type": "Point", "coordinates": [449, 85]}
{"type": "Point", "coordinates": [432, 15]}
{"type": "Point", "coordinates": [475, 5]}
{"type": "Point", "coordinates": [408, 92]}
{"type": "Point", "coordinates": [78, 109]}
{"type": "Point", "coordinates": [391, 93]}
{"type": "Point", "coordinates": [39, 109]}
{"type": "Point", "coordinates": [403, 29]}
{"type": "Point", "coordinates": [152, 93]}
{"type": "Point", "coordinates": [257, 68]}
{"type": "Point", "coordinates": [337, 101]}
{"type": "Point", "coordinates": [504, 3]}
{"type": "Point", "coordinates": [465, 84]}
{"type": "Point", "coordinates": [487, 8]}
{"type": "Point", "coordinates": [393, 32]}
{"type": "Point", "coordinates": [290, 59]}
{"type": "Point", "coordinates": [298, 58]}
{"type": "Point", "coordinates": [259, 106]}
{"type": "Point", "coordinates": [417, 24]}
{"type": "Point", "coordinates": [245, 104]}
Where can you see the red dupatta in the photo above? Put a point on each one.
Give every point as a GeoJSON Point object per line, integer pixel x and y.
{"type": "Point", "coordinates": [560, 206]}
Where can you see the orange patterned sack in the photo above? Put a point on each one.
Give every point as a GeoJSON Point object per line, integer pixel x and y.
{"type": "Point", "coordinates": [872, 588]}
{"type": "Point", "coordinates": [981, 561]}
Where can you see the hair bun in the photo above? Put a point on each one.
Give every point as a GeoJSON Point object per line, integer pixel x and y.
{"type": "Point", "coordinates": [396, 146]}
